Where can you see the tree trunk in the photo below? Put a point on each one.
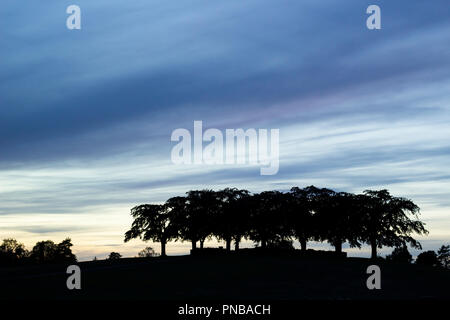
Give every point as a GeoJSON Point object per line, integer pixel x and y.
{"type": "Point", "coordinates": [338, 246]}
{"type": "Point", "coordinates": [228, 244]}
{"type": "Point", "coordinates": [373, 244]}
{"type": "Point", "coordinates": [163, 248]}
{"type": "Point", "coordinates": [303, 244]}
{"type": "Point", "coordinates": [194, 244]}
{"type": "Point", "coordinates": [236, 245]}
{"type": "Point", "coordinates": [263, 244]}
{"type": "Point", "coordinates": [201, 243]}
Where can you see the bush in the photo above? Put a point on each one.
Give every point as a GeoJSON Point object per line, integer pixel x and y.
{"type": "Point", "coordinates": [444, 256]}
{"type": "Point", "coordinates": [400, 254]}
{"type": "Point", "coordinates": [114, 256]}
{"type": "Point", "coordinates": [280, 244]}
{"type": "Point", "coordinates": [49, 252]}
{"type": "Point", "coordinates": [147, 253]}
{"type": "Point", "coordinates": [428, 258]}
{"type": "Point", "coordinates": [11, 251]}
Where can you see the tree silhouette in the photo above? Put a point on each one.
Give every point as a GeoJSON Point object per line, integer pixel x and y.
{"type": "Point", "coordinates": [240, 210]}
{"type": "Point", "coordinates": [114, 256]}
{"type": "Point", "coordinates": [64, 251]}
{"type": "Point", "coordinates": [444, 256]}
{"type": "Point", "coordinates": [428, 258]}
{"type": "Point", "coordinates": [338, 218]}
{"type": "Point", "coordinates": [48, 252]}
{"type": "Point", "coordinates": [269, 218]}
{"type": "Point", "coordinates": [274, 218]}
{"type": "Point", "coordinates": [400, 254]}
{"type": "Point", "coordinates": [300, 212]}
{"type": "Point", "coordinates": [203, 206]}
{"type": "Point", "coordinates": [151, 222]}
{"type": "Point", "coordinates": [193, 216]}
{"type": "Point", "coordinates": [231, 219]}
{"type": "Point", "coordinates": [11, 251]}
{"type": "Point", "coordinates": [44, 251]}
{"type": "Point", "coordinates": [385, 220]}
{"type": "Point", "coordinates": [182, 223]}
{"type": "Point", "coordinates": [148, 252]}
{"type": "Point", "coordinates": [324, 213]}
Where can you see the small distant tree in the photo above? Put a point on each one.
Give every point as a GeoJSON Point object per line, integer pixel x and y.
{"type": "Point", "coordinates": [428, 258]}
{"type": "Point", "coordinates": [443, 256]}
{"type": "Point", "coordinates": [114, 256]}
{"type": "Point", "coordinates": [400, 254]}
{"type": "Point", "coordinates": [147, 253]}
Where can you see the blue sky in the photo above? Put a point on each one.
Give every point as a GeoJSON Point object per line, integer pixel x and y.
{"type": "Point", "coordinates": [86, 115]}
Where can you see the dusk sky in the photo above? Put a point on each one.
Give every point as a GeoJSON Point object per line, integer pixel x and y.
{"type": "Point", "coordinates": [86, 115]}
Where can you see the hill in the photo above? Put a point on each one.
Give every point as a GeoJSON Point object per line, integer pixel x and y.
{"type": "Point", "coordinates": [280, 277]}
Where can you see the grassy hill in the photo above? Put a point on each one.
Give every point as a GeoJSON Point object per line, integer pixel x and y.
{"type": "Point", "coordinates": [236, 277]}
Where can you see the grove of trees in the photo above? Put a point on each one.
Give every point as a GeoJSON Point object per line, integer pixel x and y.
{"type": "Point", "coordinates": [271, 218]}
{"type": "Point", "coordinates": [441, 258]}
{"type": "Point", "coordinates": [13, 252]}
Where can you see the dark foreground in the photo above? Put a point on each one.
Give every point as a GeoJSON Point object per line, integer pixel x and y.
{"type": "Point", "coordinates": [216, 278]}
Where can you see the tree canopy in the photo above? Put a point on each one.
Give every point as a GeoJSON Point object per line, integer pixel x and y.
{"type": "Point", "coordinates": [271, 218]}
{"type": "Point", "coordinates": [48, 251]}
{"type": "Point", "coordinates": [389, 221]}
{"type": "Point", "coordinates": [151, 222]}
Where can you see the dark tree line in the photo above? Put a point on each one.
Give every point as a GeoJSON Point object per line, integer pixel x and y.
{"type": "Point", "coordinates": [271, 218]}
{"type": "Point", "coordinates": [440, 258]}
{"type": "Point", "coordinates": [14, 252]}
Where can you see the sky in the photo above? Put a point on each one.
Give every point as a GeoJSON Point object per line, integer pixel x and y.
{"type": "Point", "coordinates": [86, 115]}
